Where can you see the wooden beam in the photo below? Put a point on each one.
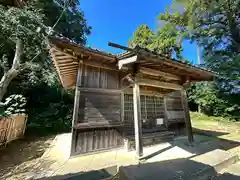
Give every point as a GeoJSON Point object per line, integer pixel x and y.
{"type": "Point", "coordinates": [137, 120]}
{"type": "Point", "coordinates": [71, 75]}
{"type": "Point", "coordinates": [59, 52]}
{"type": "Point", "coordinates": [122, 106]}
{"type": "Point", "coordinates": [165, 111]}
{"type": "Point", "coordinates": [100, 65]}
{"type": "Point", "coordinates": [187, 116]}
{"type": "Point", "coordinates": [153, 72]}
{"type": "Point", "coordinates": [65, 57]}
{"type": "Point", "coordinates": [75, 67]}
{"type": "Point", "coordinates": [158, 59]}
{"type": "Point", "coordinates": [121, 47]}
{"type": "Point", "coordinates": [56, 64]}
{"type": "Point", "coordinates": [159, 84]}
{"type": "Point", "coordinates": [76, 108]}
{"type": "Point", "coordinates": [164, 60]}
{"type": "Point", "coordinates": [143, 92]}
{"type": "Point", "coordinates": [97, 90]}
{"type": "Point", "coordinates": [69, 69]}
{"type": "Point", "coordinates": [67, 62]}
{"type": "Point", "coordinates": [128, 60]}
{"type": "Point", "coordinates": [68, 65]}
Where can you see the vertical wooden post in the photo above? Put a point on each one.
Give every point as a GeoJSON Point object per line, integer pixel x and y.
{"type": "Point", "coordinates": [76, 107]}
{"type": "Point", "coordinates": [122, 106]}
{"type": "Point", "coordinates": [137, 120]}
{"type": "Point", "coordinates": [25, 124]}
{"type": "Point", "coordinates": [165, 111]}
{"type": "Point", "coordinates": [187, 115]}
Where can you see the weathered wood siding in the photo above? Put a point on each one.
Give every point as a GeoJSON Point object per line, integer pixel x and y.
{"type": "Point", "coordinates": [100, 78]}
{"type": "Point", "coordinates": [98, 107]}
{"type": "Point", "coordinates": [103, 107]}
{"type": "Point", "coordinates": [93, 140]}
{"type": "Point", "coordinates": [97, 104]}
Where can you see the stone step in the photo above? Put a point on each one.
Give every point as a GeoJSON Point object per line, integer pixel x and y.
{"type": "Point", "coordinates": [230, 173]}
{"type": "Point", "coordinates": [198, 168]}
{"type": "Point", "coordinates": [149, 139]}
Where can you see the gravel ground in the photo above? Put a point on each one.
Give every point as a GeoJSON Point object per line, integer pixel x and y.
{"type": "Point", "coordinates": [19, 158]}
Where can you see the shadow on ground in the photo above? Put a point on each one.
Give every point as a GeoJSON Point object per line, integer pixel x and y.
{"type": "Point", "coordinates": [208, 142]}
{"type": "Point", "coordinates": [209, 132]}
{"type": "Point", "coordinates": [227, 176]}
{"type": "Point", "coordinates": [201, 145]}
{"type": "Point", "coordinates": [177, 168]}
{"type": "Point", "coordinates": [184, 169]}
{"type": "Point", "coordinates": [25, 151]}
{"type": "Point", "coordinates": [91, 175]}
{"type": "Point", "coordinates": [19, 156]}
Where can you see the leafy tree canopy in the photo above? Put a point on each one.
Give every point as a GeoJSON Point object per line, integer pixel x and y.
{"type": "Point", "coordinates": [25, 31]}
{"type": "Point", "coordinates": [165, 41]}
{"type": "Point", "coordinates": [215, 26]}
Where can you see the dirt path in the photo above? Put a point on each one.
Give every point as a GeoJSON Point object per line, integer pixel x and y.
{"type": "Point", "coordinates": [20, 157]}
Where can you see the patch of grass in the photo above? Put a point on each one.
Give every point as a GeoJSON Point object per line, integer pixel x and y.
{"type": "Point", "coordinates": [195, 116]}
{"type": "Point", "coordinates": [220, 127]}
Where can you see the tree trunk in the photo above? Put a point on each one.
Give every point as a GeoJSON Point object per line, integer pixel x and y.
{"type": "Point", "coordinates": [13, 72]}
{"type": "Point", "coordinates": [199, 109]}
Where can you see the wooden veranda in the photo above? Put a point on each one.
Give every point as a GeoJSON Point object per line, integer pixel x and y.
{"type": "Point", "coordinates": [118, 97]}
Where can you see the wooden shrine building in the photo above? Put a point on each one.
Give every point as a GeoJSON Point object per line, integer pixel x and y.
{"type": "Point", "coordinates": [130, 100]}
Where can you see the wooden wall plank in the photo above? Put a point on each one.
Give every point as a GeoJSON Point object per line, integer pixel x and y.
{"type": "Point", "coordinates": [101, 78]}
{"type": "Point", "coordinates": [97, 139]}
{"type": "Point", "coordinates": [106, 136]}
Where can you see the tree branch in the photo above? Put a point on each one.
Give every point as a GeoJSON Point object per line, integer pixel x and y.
{"type": "Point", "coordinates": [17, 56]}
{"type": "Point", "coordinates": [13, 72]}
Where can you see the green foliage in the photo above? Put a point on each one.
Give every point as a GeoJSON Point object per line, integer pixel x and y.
{"type": "Point", "coordinates": [32, 24]}
{"type": "Point", "coordinates": [215, 26]}
{"type": "Point", "coordinates": [72, 23]}
{"type": "Point", "coordinates": [165, 41]}
{"type": "Point", "coordinates": [142, 37]}
{"type": "Point", "coordinates": [196, 116]}
{"type": "Point", "coordinates": [20, 23]}
{"type": "Point", "coordinates": [50, 109]}
{"type": "Point", "coordinates": [205, 95]}
{"type": "Point", "coordinates": [48, 106]}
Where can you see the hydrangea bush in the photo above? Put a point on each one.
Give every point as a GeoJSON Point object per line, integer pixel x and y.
{"type": "Point", "coordinates": [15, 104]}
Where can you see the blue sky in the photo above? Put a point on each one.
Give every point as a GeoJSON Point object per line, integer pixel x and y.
{"type": "Point", "coordinates": [117, 20]}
